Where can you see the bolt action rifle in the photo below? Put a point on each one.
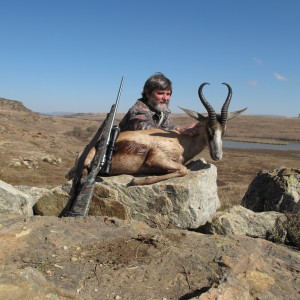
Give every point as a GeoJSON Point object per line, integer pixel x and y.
{"type": "Point", "coordinates": [104, 141]}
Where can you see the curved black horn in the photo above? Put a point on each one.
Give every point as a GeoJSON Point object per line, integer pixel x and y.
{"type": "Point", "coordinates": [211, 112]}
{"type": "Point", "coordinates": [224, 111]}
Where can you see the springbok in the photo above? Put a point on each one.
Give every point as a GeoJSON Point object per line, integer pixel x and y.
{"type": "Point", "coordinates": [164, 153]}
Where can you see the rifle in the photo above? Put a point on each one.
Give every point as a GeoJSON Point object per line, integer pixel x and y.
{"type": "Point", "coordinates": [104, 140]}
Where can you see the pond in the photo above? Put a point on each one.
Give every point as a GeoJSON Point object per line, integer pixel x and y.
{"type": "Point", "coordinates": [247, 145]}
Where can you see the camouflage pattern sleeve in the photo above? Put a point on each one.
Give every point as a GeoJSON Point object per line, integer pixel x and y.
{"type": "Point", "coordinates": [141, 117]}
{"type": "Point", "coordinates": [167, 123]}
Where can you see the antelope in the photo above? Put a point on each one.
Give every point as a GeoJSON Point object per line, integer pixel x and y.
{"type": "Point", "coordinates": [163, 154]}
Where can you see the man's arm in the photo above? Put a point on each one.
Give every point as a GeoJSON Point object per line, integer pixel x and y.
{"type": "Point", "coordinates": [191, 129]}
{"type": "Point", "coordinates": [136, 121]}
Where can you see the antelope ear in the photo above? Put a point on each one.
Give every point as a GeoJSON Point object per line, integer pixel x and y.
{"type": "Point", "coordinates": [235, 113]}
{"type": "Point", "coordinates": [194, 114]}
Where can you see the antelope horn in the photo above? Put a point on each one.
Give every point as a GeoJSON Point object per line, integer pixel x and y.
{"type": "Point", "coordinates": [212, 117]}
{"type": "Point", "coordinates": [224, 111]}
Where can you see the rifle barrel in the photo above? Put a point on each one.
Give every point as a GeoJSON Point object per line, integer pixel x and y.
{"type": "Point", "coordinates": [83, 188]}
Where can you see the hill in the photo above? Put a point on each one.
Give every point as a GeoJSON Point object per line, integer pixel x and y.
{"type": "Point", "coordinates": [6, 104]}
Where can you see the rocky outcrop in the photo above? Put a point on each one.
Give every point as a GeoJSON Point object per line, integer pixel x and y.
{"type": "Point", "coordinates": [277, 190]}
{"type": "Point", "coordinates": [242, 221]}
{"type": "Point", "coordinates": [88, 258]}
{"type": "Point", "coordinates": [13, 105]}
{"type": "Point", "coordinates": [14, 201]}
{"type": "Point", "coordinates": [185, 202]}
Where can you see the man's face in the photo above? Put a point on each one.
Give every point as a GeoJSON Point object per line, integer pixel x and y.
{"type": "Point", "coordinates": [159, 99]}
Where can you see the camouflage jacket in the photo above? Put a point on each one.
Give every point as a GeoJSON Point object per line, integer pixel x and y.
{"type": "Point", "coordinates": [140, 116]}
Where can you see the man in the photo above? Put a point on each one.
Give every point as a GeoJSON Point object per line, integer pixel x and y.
{"type": "Point", "coordinates": [152, 110]}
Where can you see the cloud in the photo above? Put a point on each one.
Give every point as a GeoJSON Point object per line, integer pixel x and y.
{"type": "Point", "coordinates": [257, 60]}
{"type": "Point", "coordinates": [278, 76]}
{"type": "Point", "coordinates": [253, 83]}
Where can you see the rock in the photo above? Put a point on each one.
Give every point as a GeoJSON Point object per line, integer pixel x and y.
{"type": "Point", "coordinates": [231, 288]}
{"type": "Point", "coordinates": [32, 162]}
{"type": "Point", "coordinates": [134, 261]}
{"type": "Point", "coordinates": [14, 201]}
{"type": "Point", "coordinates": [241, 221]}
{"type": "Point", "coordinates": [32, 284]}
{"type": "Point", "coordinates": [277, 190]}
{"type": "Point", "coordinates": [185, 202]}
{"type": "Point", "coordinates": [28, 162]}
{"type": "Point", "coordinates": [50, 159]}
{"type": "Point", "coordinates": [52, 203]}
{"type": "Point", "coordinates": [293, 230]}
{"type": "Point", "coordinates": [35, 192]}
{"type": "Point", "coordinates": [15, 164]}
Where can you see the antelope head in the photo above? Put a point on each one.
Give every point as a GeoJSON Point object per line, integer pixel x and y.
{"type": "Point", "coordinates": [215, 123]}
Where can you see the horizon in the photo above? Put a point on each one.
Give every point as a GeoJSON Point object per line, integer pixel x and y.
{"type": "Point", "coordinates": [66, 113]}
{"type": "Point", "coordinates": [70, 55]}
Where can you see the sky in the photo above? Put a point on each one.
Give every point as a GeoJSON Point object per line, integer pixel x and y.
{"type": "Point", "coordinates": [70, 55]}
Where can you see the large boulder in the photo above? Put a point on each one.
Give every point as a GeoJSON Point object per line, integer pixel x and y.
{"type": "Point", "coordinates": [277, 190]}
{"type": "Point", "coordinates": [49, 202]}
{"type": "Point", "coordinates": [242, 221]}
{"type": "Point", "coordinates": [184, 202]}
{"type": "Point", "coordinates": [13, 201]}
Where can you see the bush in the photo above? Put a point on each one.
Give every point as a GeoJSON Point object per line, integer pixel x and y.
{"type": "Point", "coordinates": [77, 132]}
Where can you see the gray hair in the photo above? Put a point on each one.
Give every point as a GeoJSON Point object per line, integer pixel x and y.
{"type": "Point", "coordinates": [158, 81]}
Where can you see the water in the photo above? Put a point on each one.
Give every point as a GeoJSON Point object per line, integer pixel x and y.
{"type": "Point", "coordinates": [246, 145]}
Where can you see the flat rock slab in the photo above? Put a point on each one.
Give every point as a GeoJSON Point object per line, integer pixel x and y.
{"type": "Point", "coordinates": [99, 258]}
{"type": "Point", "coordinates": [182, 202]}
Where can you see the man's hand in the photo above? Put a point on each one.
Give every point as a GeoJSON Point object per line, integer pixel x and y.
{"type": "Point", "coordinates": [191, 129]}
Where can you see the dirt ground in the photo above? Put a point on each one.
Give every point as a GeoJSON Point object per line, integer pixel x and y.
{"type": "Point", "coordinates": [93, 258]}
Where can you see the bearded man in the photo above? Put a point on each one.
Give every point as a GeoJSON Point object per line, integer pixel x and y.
{"type": "Point", "coordinates": [152, 110]}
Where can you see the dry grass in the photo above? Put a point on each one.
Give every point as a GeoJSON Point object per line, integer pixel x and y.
{"type": "Point", "coordinates": [282, 129]}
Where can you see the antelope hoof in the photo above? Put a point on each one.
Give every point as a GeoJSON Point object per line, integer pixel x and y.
{"type": "Point", "coordinates": [132, 182]}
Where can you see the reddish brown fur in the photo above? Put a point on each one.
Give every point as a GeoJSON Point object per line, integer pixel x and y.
{"type": "Point", "coordinates": [152, 151]}
{"type": "Point", "coordinates": [126, 147]}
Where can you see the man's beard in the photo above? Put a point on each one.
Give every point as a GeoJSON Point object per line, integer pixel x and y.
{"type": "Point", "coordinates": [159, 107]}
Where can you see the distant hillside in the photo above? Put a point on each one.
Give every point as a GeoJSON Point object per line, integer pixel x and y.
{"type": "Point", "coordinates": [13, 105]}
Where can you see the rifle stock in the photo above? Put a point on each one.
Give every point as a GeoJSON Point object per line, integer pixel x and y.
{"type": "Point", "coordinates": [83, 187]}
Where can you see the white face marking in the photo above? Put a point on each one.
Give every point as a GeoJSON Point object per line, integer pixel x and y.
{"type": "Point", "coordinates": [216, 151]}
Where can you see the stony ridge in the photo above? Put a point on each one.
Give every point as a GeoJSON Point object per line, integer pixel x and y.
{"type": "Point", "coordinates": [13, 105]}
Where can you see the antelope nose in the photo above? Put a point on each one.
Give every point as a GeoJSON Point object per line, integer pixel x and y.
{"type": "Point", "coordinates": [217, 155]}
